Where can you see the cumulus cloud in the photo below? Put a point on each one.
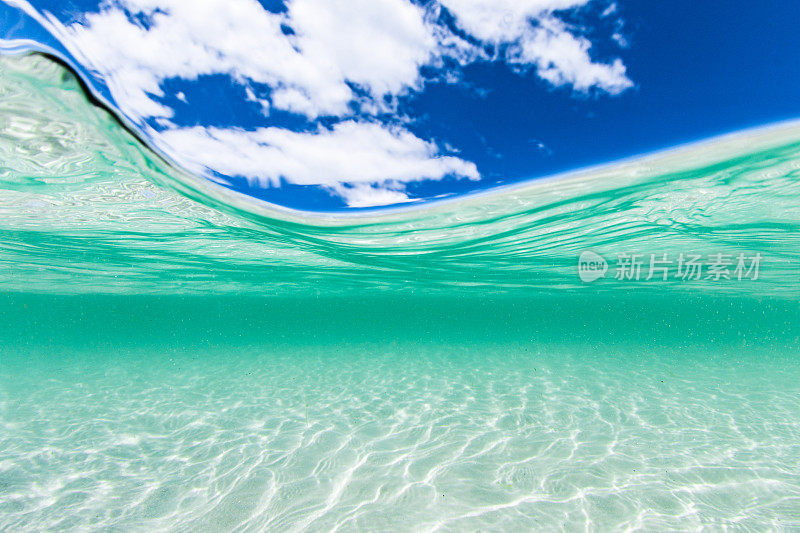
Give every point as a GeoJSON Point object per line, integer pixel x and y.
{"type": "Point", "coordinates": [561, 58]}
{"type": "Point", "coordinates": [503, 21]}
{"type": "Point", "coordinates": [377, 45]}
{"type": "Point", "coordinates": [533, 36]}
{"type": "Point", "coordinates": [314, 52]}
{"type": "Point", "coordinates": [361, 195]}
{"type": "Point", "coordinates": [344, 159]}
{"type": "Point", "coordinates": [345, 60]}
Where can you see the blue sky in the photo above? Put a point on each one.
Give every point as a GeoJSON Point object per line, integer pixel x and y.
{"type": "Point", "coordinates": [327, 105]}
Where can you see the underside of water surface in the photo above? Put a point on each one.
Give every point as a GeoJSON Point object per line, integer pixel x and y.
{"type": "Point", "coordinates": [176, 357]}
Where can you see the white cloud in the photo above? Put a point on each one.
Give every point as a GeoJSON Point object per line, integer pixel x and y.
{"type": "Point", "coordinates": [561, 58]}
{"type": "Point", "coordinates": [376, 44]}
{"type": "Point", "coordinates": [534, 37]}
{"type": "Point", "coordinates": [503, 21]}
{"type": "Point", "coordinates": [307, 60]}
{"type": "Point", "coordinates": [373, 160]}
{"type": "Point", "coordinates": [363, 195]}
{"type": "Point", "coordinates": [610, 10]}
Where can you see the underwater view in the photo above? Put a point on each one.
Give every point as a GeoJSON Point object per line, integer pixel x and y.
{"type": "Point", "coordinates": [242, 299]}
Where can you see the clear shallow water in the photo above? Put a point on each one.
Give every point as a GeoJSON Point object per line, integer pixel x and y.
{"type": "Point", "coordinates": [419, 414]}
{"type": "Point", "coordinates": [175, 358]}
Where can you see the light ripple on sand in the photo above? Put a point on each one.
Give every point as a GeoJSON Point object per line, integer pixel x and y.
{"type": "Point", "coordinates": [380, 441]}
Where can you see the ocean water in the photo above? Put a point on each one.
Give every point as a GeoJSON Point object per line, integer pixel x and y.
{"type": "Point", "coordinates": [174, 357]}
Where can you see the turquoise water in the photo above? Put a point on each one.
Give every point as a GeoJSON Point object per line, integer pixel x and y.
{"type": "Point", "coordinates": [175, 358]}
